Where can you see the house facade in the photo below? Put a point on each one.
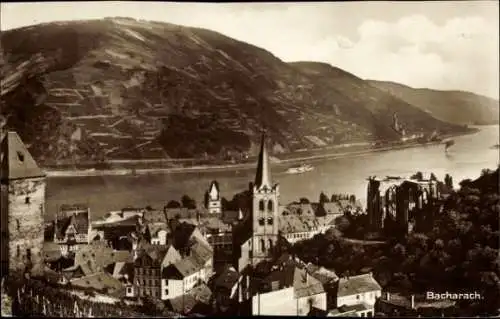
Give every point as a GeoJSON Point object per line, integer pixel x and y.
{"type": "Point", "coordinates": [290, 291]}
{"type": "Point", "coordinates": [359, 293]}
{"type": "Point", "coordinates": [195, 267]}
{"type": "Point", "coordinates": [72, 227]}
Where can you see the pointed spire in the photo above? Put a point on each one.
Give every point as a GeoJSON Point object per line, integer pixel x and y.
{"type": "Point", "coordinates": [214, 190]}
{"type": "Point", "coordinates": [263, 176]}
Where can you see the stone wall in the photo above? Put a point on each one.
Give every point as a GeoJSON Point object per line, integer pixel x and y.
{"type": "Point", "coordinates": [24, 210]}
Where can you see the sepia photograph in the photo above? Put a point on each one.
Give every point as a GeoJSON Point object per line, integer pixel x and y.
{"type": "Point", "coordinates": [211, 159]}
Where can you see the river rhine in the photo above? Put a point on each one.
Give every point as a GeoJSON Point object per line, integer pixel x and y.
{"type": "Point", "coordinates": [465, 159]}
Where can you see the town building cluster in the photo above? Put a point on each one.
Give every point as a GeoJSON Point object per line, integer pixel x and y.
{"type": "Point", "coordinates": [196, 260]}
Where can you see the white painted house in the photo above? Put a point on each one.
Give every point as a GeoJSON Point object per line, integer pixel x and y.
{"type": "Point", "coordinates": [181, 276]}
{"type": "Point", "coordinates": [289, 291]}
{"type": "Point", "coordinates": [361, 291]}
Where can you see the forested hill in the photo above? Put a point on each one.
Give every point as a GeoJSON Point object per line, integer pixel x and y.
{"type": "Point", "coordinates": [457, 107]}
{"type": "Point", "coordinates": [119, 88]}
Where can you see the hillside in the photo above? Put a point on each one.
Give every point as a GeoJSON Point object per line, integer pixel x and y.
{"type": "Point", "coordinates": [119, 88]}
{"type": "Point", "coordinates": [451, 106]}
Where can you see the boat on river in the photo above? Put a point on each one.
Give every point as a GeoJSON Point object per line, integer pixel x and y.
{"type": "Point", "coordinates": [300, 169]}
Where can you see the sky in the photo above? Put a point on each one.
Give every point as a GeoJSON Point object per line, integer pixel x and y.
{"type": "Point", "coordinates": [448, 45]}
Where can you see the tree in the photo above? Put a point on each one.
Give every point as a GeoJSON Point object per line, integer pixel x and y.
{"type": "Point", "coordinates": [342, 223]}
{"type": "Point", "coordinates": [433, 177]}
{"type": "Point", "coordinates": [188, 202]}
{"type": "Point", "coordinates": [206, 199]}
{"type": "Point", "coordinates": [304, 200]}
{"type": "Point", "coordinates": [448, 181]}
{"type": "Point", "coordinates": [323, 198]}
{"type": "Point", "coordinates": [173, 204]}
{"type": "Point", "coordinates": [352, 198]}
{"type": "Point", "coordinates": [418, 175]}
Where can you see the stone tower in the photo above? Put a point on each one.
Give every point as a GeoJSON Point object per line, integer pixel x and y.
{"type": "Point", "coordinates": [22, 207]}
{"type": "Point", "coordinates": [265, 203]}
{"type": "Point", "coordinates": [214, 204]}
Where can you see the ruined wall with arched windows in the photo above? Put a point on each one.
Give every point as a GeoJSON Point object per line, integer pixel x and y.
{"type": "Point", "coordinates": [405, 201]}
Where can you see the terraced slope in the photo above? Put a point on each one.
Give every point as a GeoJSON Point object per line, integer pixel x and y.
{"type": "Point", "coordinates": [124, 89]}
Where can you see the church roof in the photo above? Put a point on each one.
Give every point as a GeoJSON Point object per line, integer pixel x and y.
{"type": "Point", "coordinates": [263, 175]}
{"type": "Point", "coordinates": [16, 160]}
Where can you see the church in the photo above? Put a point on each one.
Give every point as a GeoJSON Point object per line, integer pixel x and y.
{"type": "Point", "coordinates": [257, 234]}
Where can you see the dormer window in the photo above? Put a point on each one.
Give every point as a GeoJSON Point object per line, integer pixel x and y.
{"type": "Point", "coordinates": [20, 157]}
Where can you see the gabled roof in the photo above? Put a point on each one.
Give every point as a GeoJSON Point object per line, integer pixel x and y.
{"type": "Point", "coordinates": [200, 294]}
{"type": "Point", "coordinates": [332, 208]}
{"type": "Point", "coordinates": [357, 284]}
{"type": "Point", "coordinates": [231, 216]}
{"type": "Point", "coordinates": [15, 160]}
{"type": "Point", "coordinates": [80, 222]}
{"type": "Point", "coordinates": [292, 274]}
{"type": "Point", "coordinates": [100, 256]}
{"type": "Point", "coordinates": [227, 278]}
{"type": "Point", "coordinates": [297, 223]}
{"type": "Point", "coordinates": [199, 254]}
{"type": "Point", "coordinates": [154, 228]}
{"type": "Point", "coordinates": [325, 276]}
{"type": "Point", "coordinates": [98, 281]}
{"type": "Point", "coordinates": [154, 216]}
{"type": "Point", "coordinates": [305, 284]}
{"type": "Point", "coordinates": [123, 268]}
{"type": "Point", "coordinates": [183, 212]}
{"type": "Point", "coordinates": [155, 252]}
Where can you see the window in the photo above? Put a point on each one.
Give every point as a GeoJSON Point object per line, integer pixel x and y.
{"type": "Point", "coordinates": [20, 156]}
{"type": "Point", "coordinates": [28, 254]}
{"type": "Point", "coordinates": [369, 314]}
{"type": "Point", "coordinates": [270, 206]}
{"type": "Point", "coordinates": [18, 224]}
{"type": "Point", "coordinates": [262, 245]}
{"type": "Point", "coordinates": [261, 205]}
{"type": "Point", "coordinates": [362, 315]}
{"type": "Point", "coordinates": [270, 244]}
{"type": "Point", "coordinates": [129, 290]}
{"type": "Point", "coordinates": [166, 292]}
{"type": "Point", "coordinates": [27, 200]}
{"type": "Point", "coordinates": [357, 297]}
{"type": "Point", "coordinates": [261, 221]}
{"type": "Point", "coordinates": [270, 221]}
{"type": "Point", "coordinates": [18, 251]}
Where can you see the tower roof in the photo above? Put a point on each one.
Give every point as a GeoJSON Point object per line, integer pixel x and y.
{"type": "Point", "coordinates": [214, 190]}
{"type": "Point", "coordinates": [263, 175]}
{"type": "Point", "coordinates": [15, 160]}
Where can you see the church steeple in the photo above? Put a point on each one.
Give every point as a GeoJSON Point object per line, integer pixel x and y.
{"type": "Point", "coordinates": [263, 175]}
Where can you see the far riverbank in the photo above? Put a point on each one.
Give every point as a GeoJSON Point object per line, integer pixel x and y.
{"type": "Point", "coordinates": [240, 166]}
